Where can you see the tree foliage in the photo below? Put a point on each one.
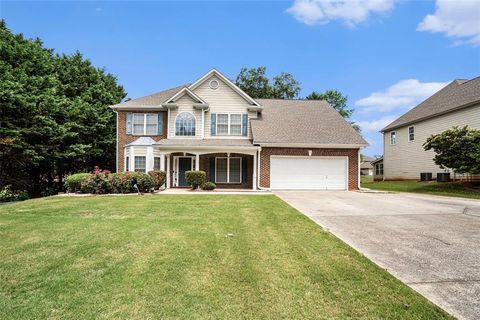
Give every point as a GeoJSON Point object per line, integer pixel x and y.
{"type": "Point", "coordinates": [457, 149]}
{"type": "Point", "coordinates": [55, 117]}
{"type": "Point", "coordinates": [257, 85]}
{"type": "Point", "coordinates": [338, 101]}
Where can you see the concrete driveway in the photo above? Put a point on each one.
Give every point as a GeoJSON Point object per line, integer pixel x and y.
{"type": "Point", "coordinates": [431, 243]}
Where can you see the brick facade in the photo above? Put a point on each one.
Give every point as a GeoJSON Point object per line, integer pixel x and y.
{"type": "Point", "coordinates": [352, 155]}
{"type": "Point", "coordinates": [123, 138]}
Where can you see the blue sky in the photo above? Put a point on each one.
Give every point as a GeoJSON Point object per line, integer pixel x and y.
{"type": "Point", "coordinates": [386, 55]}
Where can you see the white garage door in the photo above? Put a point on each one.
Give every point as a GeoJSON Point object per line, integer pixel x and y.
{"type": "Point", "coordinates": [316, 173]}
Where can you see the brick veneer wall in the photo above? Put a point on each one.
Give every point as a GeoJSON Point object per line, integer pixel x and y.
{"type": "Point", "coordinates": [123, 138]}
{"type": "Point", "coordinates": [352, 155]}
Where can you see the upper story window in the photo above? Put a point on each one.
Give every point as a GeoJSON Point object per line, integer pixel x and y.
{"type": "Point", "coordinates": [411, 133]}
{"type": "Point", "coordinates": [393, 137]}
{"type": "Point", "coordinates": [185, 125]}
{"type": "Point", "coordinates": [145, 124]}
{"type": "Point", "coordinates": [224, 124]}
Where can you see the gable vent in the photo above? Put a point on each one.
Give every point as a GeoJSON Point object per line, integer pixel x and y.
{"type": "Point", "coordinates": [214, 84]}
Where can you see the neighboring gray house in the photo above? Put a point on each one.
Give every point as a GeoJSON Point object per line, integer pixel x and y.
{"type": "Point", "coordinates": [366, 167]}
{"type": "Point", "coordinates": [457, 104]}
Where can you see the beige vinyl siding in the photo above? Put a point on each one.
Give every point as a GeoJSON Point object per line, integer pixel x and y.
{"type": "Point", "coordinates": [185, 104]}
{"type": "Point", "coordinates": [407, 159]}
{"type": "Point", "coordinates": [223, 100]}
{"type": "Point", "coordinates": [139, 151]}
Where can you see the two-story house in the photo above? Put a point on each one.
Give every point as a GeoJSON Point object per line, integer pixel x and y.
{"type": "Point", "coordinates": [457, 104]}
{"type": "Point", "coordinates": [240, 142]}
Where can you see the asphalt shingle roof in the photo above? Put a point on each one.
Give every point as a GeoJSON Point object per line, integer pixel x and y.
{"type": "Point", "coordinates": [152, 100]}
{"type": "Point", "coordinates": [302, 122]}
{"type": "Point", "coordinates": [456, 95]}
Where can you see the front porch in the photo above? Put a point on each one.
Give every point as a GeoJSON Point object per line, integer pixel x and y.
{"type": "Point", "coordinates": [228, 166]}
{"type": "Point", "coordinates": [227, 170]}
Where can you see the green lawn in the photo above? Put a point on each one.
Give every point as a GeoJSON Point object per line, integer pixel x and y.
{"type": "Point", "coordinates": [151, 257]}
{"type": "Point", "coordinates": [435, 188]}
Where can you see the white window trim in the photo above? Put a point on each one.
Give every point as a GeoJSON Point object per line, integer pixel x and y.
{"type": "Point", "coordinates": [408, 132]}
{"type": "Point", "coordinates": [175, 125]}
{"type": "Point", "coordinates": [229, 124]}
{"type": "Point", "coordinates": [395, 134]}
{"type": "Point", "coordinates": [144, 124]}
{"type": "Point", "coordinates": [228, 169]}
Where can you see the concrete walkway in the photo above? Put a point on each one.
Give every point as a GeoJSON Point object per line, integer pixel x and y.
{"type": "Point", "coordinates": [430, 243]}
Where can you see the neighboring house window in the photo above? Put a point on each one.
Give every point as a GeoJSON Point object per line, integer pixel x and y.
{"type": "Point", "coordinates": [379, 169]}
{"type": "Point", "coordinates": [411, 133]}
{"type": "Point", "coordinates": [127, 164]}
{"type": "Point", "coordinates": [229, 125]}
{"type": "Point", "coordinates": [393, 137]}
{"type": "Point", "coordinates": [185, 124]}
{"type": "Point", "coordinates": [140, 164]}
{"type": "Point", "coordinates": [156, 163]}
{"type": "Point", "coordinates": [228, 170]}
{"type": "Point", "coordinates": [145, 124]}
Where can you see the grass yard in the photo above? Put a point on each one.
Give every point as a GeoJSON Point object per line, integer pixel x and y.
{"type": "Point", "coordinates": [435, 188]}
{"type": "Point", "coordinates": [167, 256]}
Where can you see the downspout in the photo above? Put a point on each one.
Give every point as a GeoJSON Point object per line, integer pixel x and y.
{"type": "Point", "coordinates": [116, 144]}
{"type": "Point", "coordinates": [358, 164]}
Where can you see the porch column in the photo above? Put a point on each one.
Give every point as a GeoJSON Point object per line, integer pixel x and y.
{"type": "Point", "coordinates": [149, 159]}
{"type": "Point", "coordinates": [162, 162]}
{"type": "Point", "coordinates": [197, 162]}
{"type": "Point", "coordinates": [254, 176]}
{"type": "Point", "coordinates": [167, 185]}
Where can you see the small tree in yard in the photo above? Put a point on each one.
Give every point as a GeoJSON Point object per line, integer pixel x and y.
{"type": "Point", "coordinates": [457, 149]}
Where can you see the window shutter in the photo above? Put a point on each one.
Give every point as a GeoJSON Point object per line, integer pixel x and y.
{"type": "Point", "coordinates": [129, 123]}
{"type": "Point", "coordinates": [213, 124]}
{"type": "Point", "coordinates": [211, 169]}
{"type": "Point", "coordinates": [244, 124]}
{"type": "Point", "coordinates": [160, 123]}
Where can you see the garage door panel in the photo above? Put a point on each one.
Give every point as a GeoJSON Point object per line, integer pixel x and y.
{"type": "Point", "coordinates": [308, 173]}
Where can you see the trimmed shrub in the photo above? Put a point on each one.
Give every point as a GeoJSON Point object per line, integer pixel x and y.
{"type": "Point", "coordinates": [195, 179]}
{"type": "Point", "coordinates": [145, 183]}
{"type": "Point", "coordinates": [7, 195]}
{"type": "Point", "coordinates": [97, 183]}
{"type": "Point", "coordinates": [73, 183]}
{"type": "Point", "coordinates": [209, 186]}
{"type": "Point", "coordinates": [158, 177]}
{"type": "Point", "coordinates": [121, 182]}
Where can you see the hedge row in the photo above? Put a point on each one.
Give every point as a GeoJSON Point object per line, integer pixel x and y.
{"type": "Point", "coordinates": [102, 182]}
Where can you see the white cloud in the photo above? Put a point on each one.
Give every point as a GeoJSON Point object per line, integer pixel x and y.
{"type": "Point", "coordinates": [352, 12]}
{"type": "Point", "coordinates": [402, 95]}
{"type": "Point", "coordinates": [376, 125]}
{"type": "Point", "coordinates": [458, 19]}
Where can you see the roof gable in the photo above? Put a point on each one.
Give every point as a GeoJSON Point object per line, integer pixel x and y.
{"type": "Point", "coordinates": [457, 95]}
{"type": "Point", "coordinates": [227, 81]}
{"type": "Point", "coordinates": [181, 93]}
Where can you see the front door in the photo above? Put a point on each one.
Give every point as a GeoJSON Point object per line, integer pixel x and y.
{"type": "Point", "coordinates": [184, 164]}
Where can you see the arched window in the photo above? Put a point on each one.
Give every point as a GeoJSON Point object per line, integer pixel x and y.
{"type": "Point", "coordinates": [185, 124]}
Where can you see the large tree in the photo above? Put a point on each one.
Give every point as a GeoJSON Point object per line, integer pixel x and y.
{"type": "Point", "coordinates": [338, 101]}
{"type": "Point", "coordinates": [457, 149]}
{"type": "Point", "coordinates": [54, 116]}
{"type": "Point", "coordinates": [257, 85]}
